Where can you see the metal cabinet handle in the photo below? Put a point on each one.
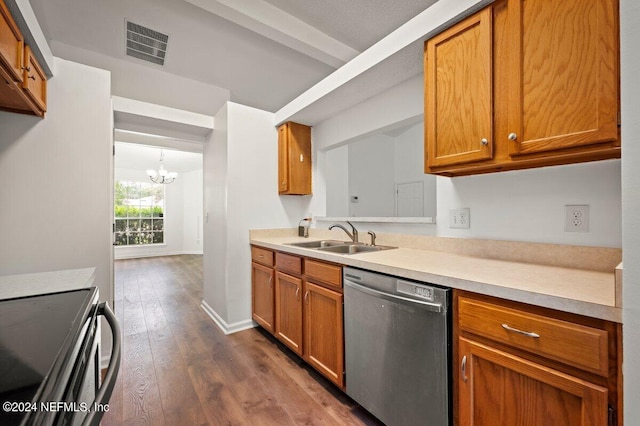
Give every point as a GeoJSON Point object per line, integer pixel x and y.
{"type": "Point", "coordinates": [515, 330]}
{"type": "Point", "coordinates": [306, 297]}
{"type": "Point", "coordinates": [298, 293]}
{"type": "Point", "coordinates": [463, 367]}
{"type": "Point", "coordinates": [484, 141]}
{"type": "Point", "coordinates": [512, 136]}
{"type": "Point", "coordinates": [32, 77]}
{"type": "Point", "coordinates": [270, 280]}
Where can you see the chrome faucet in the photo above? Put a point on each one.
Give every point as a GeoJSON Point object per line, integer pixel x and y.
{"type": "Point", "coordinates": [373, 237]}
{"type": "Point", "coordinates": [353, 234]}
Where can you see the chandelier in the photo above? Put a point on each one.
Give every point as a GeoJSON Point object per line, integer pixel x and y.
{"type": "Point", "coordinates": [162, 175]}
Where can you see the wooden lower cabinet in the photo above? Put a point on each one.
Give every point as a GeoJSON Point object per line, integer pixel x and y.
{"type": "Point", "coordinates": [300, 301]}
{"type": "Point", "coordinates": [499, 388]}
{"type": "Point", "coordinates": [262, 294]}
{"type": "Point", "coordinates": [289, 311]}
{"type": "Point", "coordinates": [324, 331]}
{"type": "Point", "coordinates": [517, 364]}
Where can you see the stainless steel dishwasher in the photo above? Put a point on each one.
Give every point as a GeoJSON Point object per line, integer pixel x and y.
{"type": "Point", "coordinates": [397, 344]}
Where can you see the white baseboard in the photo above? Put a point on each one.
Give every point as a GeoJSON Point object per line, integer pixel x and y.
{"type": "Point", "coordinates": [152, 254]}
{"type": "Point", "coordinates": [222, 324]}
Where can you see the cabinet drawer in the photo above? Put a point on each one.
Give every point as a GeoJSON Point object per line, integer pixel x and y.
{"type": "Point", "coordinates": [323, 272]}
{"type": "Point", "coordinates": [573, 344]}
{"type": "Point", "coordinates": [261, 255]}
{"type": "Point", "coordinates": [291, 264]}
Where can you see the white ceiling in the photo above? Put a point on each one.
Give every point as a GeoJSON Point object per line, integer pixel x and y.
{"type": "Point", "coordinates": [142, 157]}
{"type": "Point", "coordinates": [265, 52]}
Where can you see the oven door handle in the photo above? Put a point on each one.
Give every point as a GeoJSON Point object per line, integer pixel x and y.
{"type": "Point", "coordinates": [104, 394]}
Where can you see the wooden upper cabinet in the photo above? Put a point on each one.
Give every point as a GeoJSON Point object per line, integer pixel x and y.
{"type": "Point", "coordinates": [459, 93]}
{"type": "Point", "coordinates": [564, 86]}
{"type": "Point", "coordinates": [294, 159]}
{"type": "Point", "coordinates": [23, 84]}
{"type": "Point", "coordinates": [11, 45]}
{"type": "Point", "coordinates": [537, 80]}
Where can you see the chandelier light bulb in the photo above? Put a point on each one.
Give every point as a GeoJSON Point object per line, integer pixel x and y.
{"type": "Point", "coordinates": [162, 176]}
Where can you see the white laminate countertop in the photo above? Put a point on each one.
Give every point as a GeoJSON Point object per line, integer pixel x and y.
{"type": "Point", "coordinates": [45, 282]}
{"type": "Point", "coordinates": [579, 291]}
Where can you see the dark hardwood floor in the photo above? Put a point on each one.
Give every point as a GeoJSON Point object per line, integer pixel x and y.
{"type": "Point", "coordinates": [178, 368]}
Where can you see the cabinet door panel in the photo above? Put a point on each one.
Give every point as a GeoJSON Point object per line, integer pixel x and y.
{"type": "Point", "coordinates": [11, 45]}
{"type": "Point", "coordinates": [289, 311]}
{"type": "Point", "coordinates": [262, 297]}
{"type": "Point", "coordinates": [294, 159]}
{"type": "Point", "coordinates": [323, 334]}
{"type": "Point", "coordinates": [564, 84]}
{"type": "Point", "coordinates": [497, 388]}
{"type": "Point", "coordinates": [283, 159]}
{"type": "Point", "coordinates": [459, 94]}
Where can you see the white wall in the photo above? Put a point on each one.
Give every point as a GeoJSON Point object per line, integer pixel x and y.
{"type": "Point", "coordinates": [192, 212]}
{"type": "Point", "coordinates": [215, 212]}
{"type": "Point", "coordinates": [409, 165]}
{"type": "Point", "coordinates": [630, 61]}
{"type": "Point", "coordinates": [241, 177]}
{"type": "Point", "coordinates": [371, 177]}
{"type": "Point", "coordinates": [143, 83]}
{"type": "Point", "coordinates": [183, 210]}
{"type": "Point", "coordinates": [528, 205]}
{"type": "Point", "coordinates": [55, 204]}
{"type": "Point", "coordinates": [337, 181]}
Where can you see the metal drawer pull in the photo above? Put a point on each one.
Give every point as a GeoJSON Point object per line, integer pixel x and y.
{"type": "Point", "coordinates": [298, 293]}
{"type": "Point", "coordinates": [306, 297]}
{"type": "Point", "coordinates": [526, 333]}
{"type": "Point", "coordinates": [464, 368]}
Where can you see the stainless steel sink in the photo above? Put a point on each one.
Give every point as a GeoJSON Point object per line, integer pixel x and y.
{"type": "Point", "coordinates": [354, 248]}
{"type": "Point", "coordinates": [318, 244]}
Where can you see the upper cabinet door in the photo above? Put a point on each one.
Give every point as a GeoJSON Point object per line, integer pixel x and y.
{"type": "Point", "coordinates": [11, 44]}
{"type": "Point", "coordinates": [294, 159]}
{"type": "Point", "coordinates": [35, 81]}
{"type": "Point", "coordinates": [459, 94]}
{"type": "Point", "coordinates": [564, 74]}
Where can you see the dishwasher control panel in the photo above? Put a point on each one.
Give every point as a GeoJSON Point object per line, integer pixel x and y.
{"type": "Point", "coordinates": [416, 290]}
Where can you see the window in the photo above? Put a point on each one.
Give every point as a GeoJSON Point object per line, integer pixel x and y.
{"type": "Point", "coordinates": [139, 213]}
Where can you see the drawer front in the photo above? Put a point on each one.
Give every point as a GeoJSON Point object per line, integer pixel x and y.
{"type": "Point", "coordinates": [323, 272]}
{"type": "Point", "coordinates": [289, 263]}
{"type": "Point", "coordinates": [262, 256]}
{"type": "Point", "coordinates": [573, 344]}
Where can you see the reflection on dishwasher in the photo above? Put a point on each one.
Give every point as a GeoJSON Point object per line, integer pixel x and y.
{"type": "Point", "coordinates": [397, 345]}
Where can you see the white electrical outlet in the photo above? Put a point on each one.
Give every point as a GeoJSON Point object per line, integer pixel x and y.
{"type": "Point", "coordinates": [576, 218]}
{"type": "Point", "coordinates": [460, 218]}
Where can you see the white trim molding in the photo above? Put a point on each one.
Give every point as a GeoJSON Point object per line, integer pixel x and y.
{"type": "Point", "coordinates": [222, 324]}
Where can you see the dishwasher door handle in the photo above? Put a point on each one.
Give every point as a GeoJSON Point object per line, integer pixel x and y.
{"type": "Point", "coordinates": [433, 307]}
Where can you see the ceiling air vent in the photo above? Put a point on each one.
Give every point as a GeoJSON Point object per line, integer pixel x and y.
{"type": "Point", "coordinates": [146, 44]}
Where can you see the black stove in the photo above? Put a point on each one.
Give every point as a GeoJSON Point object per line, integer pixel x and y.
{"type": "Point", "coordinates": [49, 354]}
